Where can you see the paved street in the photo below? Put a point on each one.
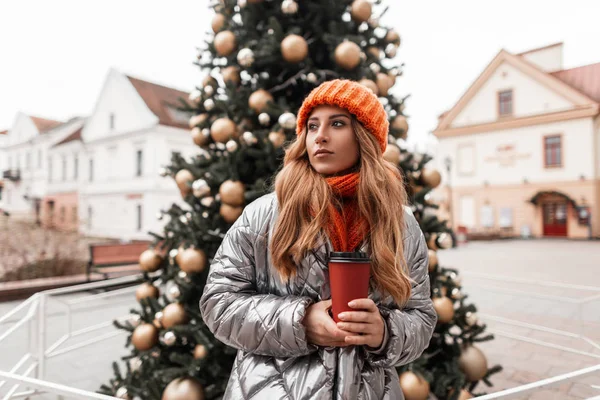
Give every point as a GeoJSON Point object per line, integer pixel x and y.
{"type": "Point", "coordinates": [535, 296]}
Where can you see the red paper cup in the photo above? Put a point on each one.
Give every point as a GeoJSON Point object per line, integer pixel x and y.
{"type": "Point", "coordinates": [349, 275]}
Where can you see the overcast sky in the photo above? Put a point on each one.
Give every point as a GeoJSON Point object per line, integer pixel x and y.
{"type": "Point", "coordinates": [55, 54]}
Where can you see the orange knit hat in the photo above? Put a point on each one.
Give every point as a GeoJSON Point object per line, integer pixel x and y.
{"type": "Point", "coordinates": [355, 98]}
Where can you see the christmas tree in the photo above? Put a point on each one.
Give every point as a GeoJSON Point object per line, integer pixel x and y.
{"type": "Point", "coordinates": [262, 59]}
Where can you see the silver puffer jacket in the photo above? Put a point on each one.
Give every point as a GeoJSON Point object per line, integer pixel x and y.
{"type": "Point", "coordinates": [247, 307]}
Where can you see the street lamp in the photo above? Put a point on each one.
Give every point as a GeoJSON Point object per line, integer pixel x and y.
{"type": "Point", "coordinates": [448, 164]}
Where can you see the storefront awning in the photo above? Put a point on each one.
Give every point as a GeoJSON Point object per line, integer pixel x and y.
{"type": "Point", "coordinates": [541, 194]}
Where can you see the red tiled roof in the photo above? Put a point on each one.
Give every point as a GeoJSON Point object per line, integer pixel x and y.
{"type": "Point", "coordinates": [73, 136]}
{"type": "Point", "coordinates": [44, 124]}
{"type": "Point", "coordinates": [586, 79]}
{"type": "Point", "coordinates": [159, 99]}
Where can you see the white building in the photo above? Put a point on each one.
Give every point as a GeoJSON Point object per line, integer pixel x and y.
{"type": "Point", "coordinates": [524, 147]}
{"type": "Point", "coordinates": [131, 133]}
{"type": "Point", "coordinates": [25, 162]}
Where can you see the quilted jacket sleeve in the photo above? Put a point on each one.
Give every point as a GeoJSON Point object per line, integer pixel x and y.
{"type": "Point", "coordinates": [409, 329]}
{"type": "Point", "coordinates": [236, 314]}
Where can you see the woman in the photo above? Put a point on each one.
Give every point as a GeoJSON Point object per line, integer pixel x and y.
{"type": "Point", "coordinates": [268, 292]}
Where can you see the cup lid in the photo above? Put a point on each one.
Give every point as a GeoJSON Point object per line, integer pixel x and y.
{"type": "Point", "coordinates": [349, 256]}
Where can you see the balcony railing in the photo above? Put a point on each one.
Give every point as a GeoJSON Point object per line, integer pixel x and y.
{"type": "Point", "coordinates": [12, 174]}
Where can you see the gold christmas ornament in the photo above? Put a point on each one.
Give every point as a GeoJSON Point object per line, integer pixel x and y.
{"type": "Point", "coordinates": [392, 37]}
{"type": "Point", "coordinates": [400, 123]}
{"type": "Point", "coordinates": [198, 120]}
{"type": "Point", "coordinates": [370, 85]}
{"type": "Point", "coordinates": [431, 177]}
{"type": "Point", "coordinates": [433, 259]}
{"type": "Point", "coordinates": [464, 395]}
{"type": "Point", "coordinates": [218, 22]}
{"type": "Point", "coordinates": [444, 309]}
{"type": "Point", "coordinates": [360, 10]}
{"type": "Point", "coordinates": [183, 389]}
{"type": "Point", "coordinates": [174, 314]}
{"type": "Point", "coordinates": [374, 52]}
{"type": "Point", "coordinates": [232, 193]}
{"type": "Point", "coordinates": [259, 99]}
{"type": "Point", "coordinates": [200, 137]}
{"type": "Point", "coordinates": [230, 213]}
{"type": "Point", "coordinates": [149, 261]}
{"type": "Point", "coordinates": [392, 154]}
{"type": "Point", "coordinates": [347, 55]}
{"type": "Point", "coordinates": [209, 81]}
{"type": "Point", "coordinates": [277, 138]}
{"type": "Point", "coordinates": [182, 178]}
{"type": "Point", "coordinates": [144, 337]}
{"type": "Point", "coordinates": [223, 129]}
{"type": "Point", "coordinates": [200, 352]}
{"type": "Point", "coordinates": [145, 290]}
{"type": "Point", "coordinates": [384, 83]}
{"type": "Point", "coordinates": [231, 74]}
{"type": "Point", "coordinates": [224, 43]}
{"type": "Point", "coordinates": [294, 48]}
{"type": "Point", "coordinates": [414, 386]}
{"type": "Point", "coordinates": [473, 363]}
{"type": "Point", "coordinates": [192, 260]}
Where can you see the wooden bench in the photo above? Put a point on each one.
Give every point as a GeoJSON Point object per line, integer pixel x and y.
{"type": "Point", "coordinates": [115, 259]}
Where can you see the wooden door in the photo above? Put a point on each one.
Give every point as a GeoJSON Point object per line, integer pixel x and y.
{"type": "Point", "coordinates": [555, 219]}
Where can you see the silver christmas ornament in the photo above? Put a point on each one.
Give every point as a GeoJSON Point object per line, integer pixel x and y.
{"type": "Point", "coordinates": [311, 77]}
{"type": "Point", "coordinates": [249, 138]}
{"type": "Point", "coordinates": [195, 95]}
{"type": "Point", "coordinates": [445, 240]}
{"type": "Point", "coordinates": [135, 363]}
{"type": "Point", "coordinates": [170, 234]}
{"type": "Point", "coordinates": [346, 17]}
{"type": "Point", "coordinates": [380, 33]}
{"type": "Point", "coordinates": [134, 320]}
{"type": "Point", "coordinates": [209, 90]}
{"type": "Point", "coordinates": [242, 3]}
{"type": "Point", "coordinates": [200, 188]}
{"type": "Point", "coordinates": [390, 50]}
{"type": "Point", "coordinates": [471, 318]}
{"type": "Point", "coordinates": [375, 67]}
{"type": "Point", "coordinates": [270, 31]}
{"type": "Point", "coordinates": [456, 294]}
{"type": "Point", "coordinates": [237, 18]}
{"type": "Point", "coordinates": [209, 104]}
{"type": "Point", "coordinates": [287, 120]}
{"type": "Point", "coordinates": [173, 253]}
{"type": "Point", "coordinates": [363, 27]}
{"type": "Point", "coordinates": [159, 216]}
{"type": "Point", "coordinates": [162, 171]}
{"type": "Point", "coordinates": [173, 291]}
{"type": "Point", "coordinates": [374, 22]}
{"type": "Point", "coordinates": [289, 7]}
{"type": "Point", "coordinates": [207, 201]}
{"type": "Point", "coordinates": [245, 57]}
{"type": "Point", "coordinates": [264, 119]}
{"type": "Point", "coordinates": [183, 219]}
{"type": "Point", "coordinates": [373, 41]}
{"type": "Point", "coordinates": [231, 146]}
{"type": "Point", "coordinates": [122, 393]}
{"type": "Point", "coordinates": [159, 316]}
{"type": "Point", "coordinates": [168, 338]}
{"type": "Point", "coordinates": [204, 215]}
{"type": "Point", "coordinates": [182, 274]}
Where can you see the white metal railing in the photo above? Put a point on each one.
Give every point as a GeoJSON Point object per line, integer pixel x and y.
{"type": "Point", "coordinates": [34, 360]}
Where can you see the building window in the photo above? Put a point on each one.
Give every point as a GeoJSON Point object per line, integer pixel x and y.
{"type": "Point", "coordinates": [111, 121]}
{"type": "Point", "coordinates": [553, 151]}
{"type": "Point", "coordinates": [89, 217]}
{"type": "Point", "coordinates": [138, 162]}
{"type": "Point", "coordinates": [49, 169]}
{"type": "Point", "coordinates": [505, 103]}
{"type": "Point", "coordinates": [75, 167]}
{"type": "Point", "coordinates": [139, 217]}
{"type": "Point", "coordinates": [39, 158]}
{"type": "Point", "coordinates": [91, 175]}
{"type": "Point", "coordinates": [64, 168]}
{"type": "Point", "coordinates": [74, 216]}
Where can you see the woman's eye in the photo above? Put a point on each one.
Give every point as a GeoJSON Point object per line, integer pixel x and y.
{"type": "Point", "coordinates": [312, 127]}
{"type": "Point", "coordinates": [338, 123]}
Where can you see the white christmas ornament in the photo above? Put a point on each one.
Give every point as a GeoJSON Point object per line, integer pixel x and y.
{"type": "Point", "coordinates": [380, 33]}
{"type": "Point", "coordinates": [311, 77]}
{"type": "Point", "coordinates": [209, 90]}
{"type": "Point", "coordinates": [200, 188]}
{"type": "Point", "coordinates": [245, 57]}
{"type": "Point", "coordinates": [264, 119]}
{"type": "Point", "coordinates": [249, 138]}
{"type": "Point", "coordinates": [287, 120]}
{"type": "Point", "coordinates": [135, 363]}
{"type": "Point", "coordinates": [195, 95]}
{"type": "Point", "coordinates": [169, 338]}
{"type": "Point", "coordinates": [122, 393]}
{"type": "Point", "coordinates": [289, 7]}
{"type": "Point", "coordinates": [242, 3]}
{"type": "Point", "coordinates": [375, 67]}
{"type": "Point", "coordinates": [162, 171]}
{"type": "Point", "coordinates": [135, 320]}
{"type": "Point", "coordinates": [390, 50]}
{"type": "Point", "coordinates": [183, 219]}
{"type": "Point", "coordinates": [231, 146]}
{"type": "Point", "coordinates": [173, 291]}
{"type": "Point", "coordinates": [173, 253]}
{"type": "Point", "coordinates": [207, 201]}
{"type": "Point", "coordinates": [209, 104]}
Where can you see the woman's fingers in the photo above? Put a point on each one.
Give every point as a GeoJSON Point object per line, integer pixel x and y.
{"type": "Point", "coordinates": [364, 304]}
{"type": "Point", "coordinates": [356, 327]}
{"type": "Point", "coordinates": [357, 316]}
{"type": "Point", "coordinates": [359, 340]}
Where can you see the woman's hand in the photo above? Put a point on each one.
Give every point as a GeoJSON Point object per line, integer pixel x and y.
{"type": "Point", "coordinates": [366, 324]}
{"type": "Point", "coordinates": [321, 329]}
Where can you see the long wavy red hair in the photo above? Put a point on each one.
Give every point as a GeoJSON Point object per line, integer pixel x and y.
{"type": "Point", "coordinates": [381, 197]}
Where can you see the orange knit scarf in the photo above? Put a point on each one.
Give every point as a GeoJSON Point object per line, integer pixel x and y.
{"type": "Point", "coordinates": [346, 230]}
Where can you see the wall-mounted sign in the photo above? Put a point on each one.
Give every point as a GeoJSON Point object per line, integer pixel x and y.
{"type": "Point", "coordinates": [507, 155]}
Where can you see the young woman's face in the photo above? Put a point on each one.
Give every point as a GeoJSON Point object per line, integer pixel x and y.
{"type": "Point", "coordinates": [330, 140]}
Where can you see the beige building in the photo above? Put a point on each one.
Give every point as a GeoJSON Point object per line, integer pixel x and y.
{"type": "Point", "coordinates": [523, 148]}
